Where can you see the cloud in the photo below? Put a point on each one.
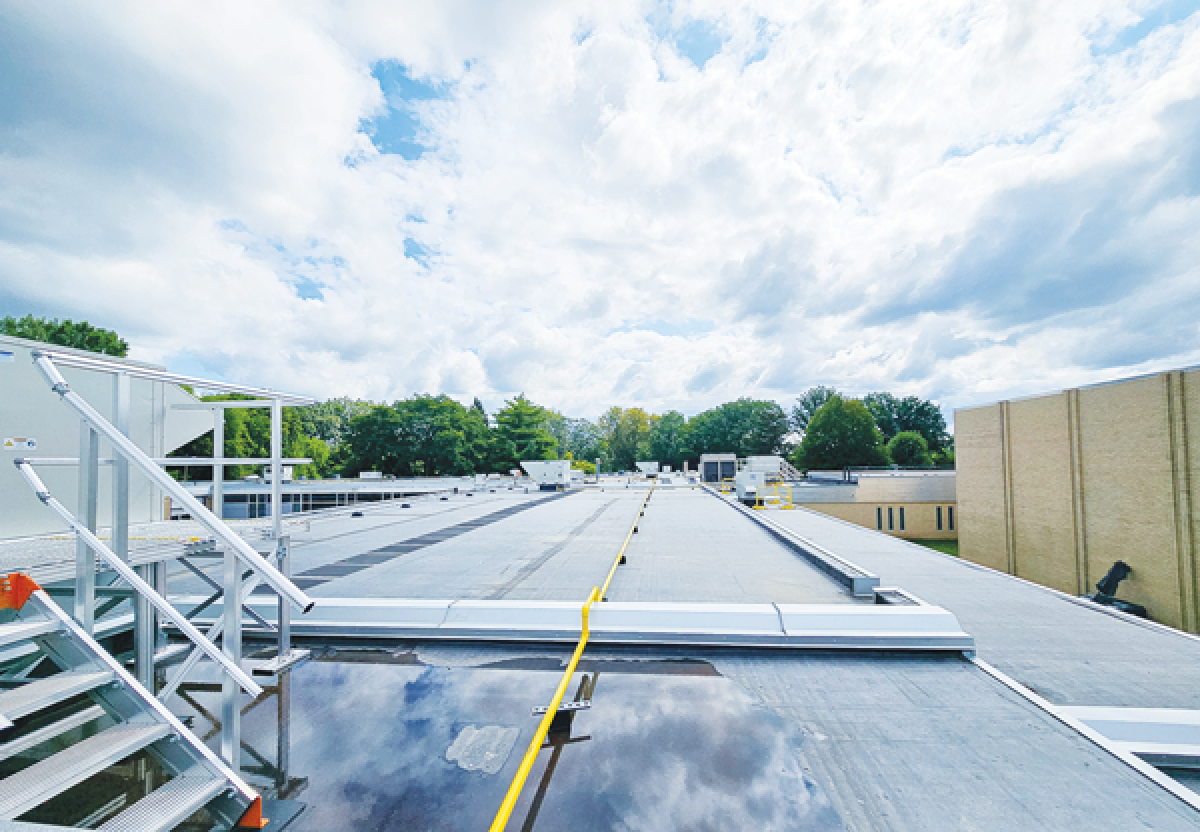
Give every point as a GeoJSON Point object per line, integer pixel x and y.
{"type": "Point", "coordinates": [611, 203]}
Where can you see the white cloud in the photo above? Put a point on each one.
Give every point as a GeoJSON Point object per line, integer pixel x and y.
{"type": "Point", "coordinates": [954, 199]}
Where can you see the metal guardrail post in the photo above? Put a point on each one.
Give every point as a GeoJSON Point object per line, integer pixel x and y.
{"type": "Point", "coordinates": [218, 498]}
{"type": "Point", "coordinates": [231, 645]}
{"type": "Point", "coordinates": [284, 620]}
{"type": "Point", "coordinates": [85, 558]}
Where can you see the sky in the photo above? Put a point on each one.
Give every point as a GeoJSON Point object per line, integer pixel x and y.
{"type": "Point", "coordinates": [611, 203]}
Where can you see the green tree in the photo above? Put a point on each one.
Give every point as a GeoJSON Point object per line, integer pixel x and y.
{"type": "Point", "coordinates": [841, 433]}
{"type": "Point", "coordinates": [372, 443]}
{"type": "Point", "coordinates": [432, 435]}
{"type": "Point", "coordinates": [329, 420]}
{"type": "Point", "coordinates": [808, 403]}
{"type": "Point", "coordinates": [746, 427]}
{"type": "Point", "coordinates": [627, 435]}
{"type": "Point", "coordinates": [669, 440]}
{"type": "Point", "coordinates": [580, 438]}
{"type": "Point", "coordinates": [248, 435]}
{"type": "Point", "coordinates": [521, 434]}
{"type": "Point", "coordinates": [893, 415]}
{"type": "Point", "coordinates": [66, 333]}
{"type": "Point", "coordinates": [908, 448]}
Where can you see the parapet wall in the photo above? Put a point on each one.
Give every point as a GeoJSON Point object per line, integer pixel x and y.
{"type": "Point", "coordinates": [1057, 488]}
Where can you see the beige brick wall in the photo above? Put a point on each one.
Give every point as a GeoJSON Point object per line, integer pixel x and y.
{"type": "Point", "coordinates": [920, 519]}
{"type": "Point", "coordinates": [980, 486]}
{"type": "Point", "coordinates": [1057, 488]}
{"type": "Point", "coordinates": [1127, 491]}
{"type": "Point", "coordinates": [1043, 527]}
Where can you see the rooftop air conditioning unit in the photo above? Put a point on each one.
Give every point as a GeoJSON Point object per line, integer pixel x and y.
{"type": "Point", "coordinates": [549, 474]}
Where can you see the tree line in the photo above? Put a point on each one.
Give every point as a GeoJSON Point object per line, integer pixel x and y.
{"type": "Point", "coordinates": [435, 435]}
{"type": "Point", "coordinates": [876, 430]}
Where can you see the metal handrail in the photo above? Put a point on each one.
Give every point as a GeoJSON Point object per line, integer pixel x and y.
{"type": "Point", "coordinates": [153, 374]}
{"type": "Point", "coordinates": [125, 446]}
{"type": "Point", "coordinates": [134, 580]}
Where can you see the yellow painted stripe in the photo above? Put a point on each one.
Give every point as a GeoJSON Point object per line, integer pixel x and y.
{"type": "Point", "coordinates": [629, 535]}
{"type": "Point", "coordinates": [518, 783]}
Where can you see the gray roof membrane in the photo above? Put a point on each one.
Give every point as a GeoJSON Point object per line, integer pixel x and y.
{"type": "Point", "coordinates": [1068, 652]}
{"type": "Point", "coordinates": [886, 741]}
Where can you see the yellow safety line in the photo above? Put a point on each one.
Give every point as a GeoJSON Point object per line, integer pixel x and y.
{"type": "Point", "coordinates": [535, 745]}
{"type": "Point", "coordinates": [518, 783]}
{"type": "Point", "coordinates": [625, 545]}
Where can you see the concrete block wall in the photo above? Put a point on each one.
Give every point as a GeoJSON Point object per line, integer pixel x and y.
{"type": "Point", "coordinates": [920, 519]}
{"type": "Point", "coordinates": [1057, 488]}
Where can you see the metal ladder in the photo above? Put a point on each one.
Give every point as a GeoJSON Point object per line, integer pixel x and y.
{"type": "Point", "coordinates": [90, 714]}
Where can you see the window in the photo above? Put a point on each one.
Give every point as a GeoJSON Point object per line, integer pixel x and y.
{"type": "Point", "coordinates": [901, 518]}
{"type": "Point", "coordinates": [939, 518]}
{"type": "Point", "coordinates": [891, 519]}
{"type": "Point", "coordinates": [879, 517]}
{"type": "Point", "coordinates": [950, 517]}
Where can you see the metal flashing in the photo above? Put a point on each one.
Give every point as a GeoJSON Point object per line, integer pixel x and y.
{"type": "Point", "coordinates": [859, 581]}
{"type": "Point", "coordinates": [802, 626]}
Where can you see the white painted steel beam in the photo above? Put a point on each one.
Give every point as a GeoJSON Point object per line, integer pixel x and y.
{"type": "Point", "coordinates": [806, 626]}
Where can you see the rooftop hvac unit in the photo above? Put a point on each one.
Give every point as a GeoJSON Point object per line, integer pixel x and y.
{"type": "Point", "coordinates": [717, 467]}
{"type": "Point", "coordinates": [549, 474]}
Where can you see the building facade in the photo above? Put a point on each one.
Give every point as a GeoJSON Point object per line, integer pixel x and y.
{"type": "Point", "coordinates": [1057, 488]}
{"type": "Point", "coordinates": [915, 505]}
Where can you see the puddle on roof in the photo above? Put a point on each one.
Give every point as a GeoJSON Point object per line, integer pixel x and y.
{"type": "Point", "coordinates": [403, 745]}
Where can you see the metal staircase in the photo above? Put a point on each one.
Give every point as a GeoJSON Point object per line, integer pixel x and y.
{"type": "Point", "coordinates": [77, 711]}
{"type": "Point", "coordinates": [790, 472]}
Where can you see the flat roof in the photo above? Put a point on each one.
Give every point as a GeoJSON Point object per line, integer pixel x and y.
{"type": "Point", "coordinates": [876, 739]}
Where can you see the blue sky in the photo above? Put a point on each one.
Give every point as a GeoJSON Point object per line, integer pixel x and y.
{"type": "Point", "coordinates": [664, 205]}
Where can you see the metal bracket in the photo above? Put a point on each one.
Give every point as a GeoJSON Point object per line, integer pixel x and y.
{"type": "Point", "coordinates": [581, 705]}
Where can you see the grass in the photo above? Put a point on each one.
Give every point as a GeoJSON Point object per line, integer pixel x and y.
{"type": "Point", "coordinates": [948, 547]}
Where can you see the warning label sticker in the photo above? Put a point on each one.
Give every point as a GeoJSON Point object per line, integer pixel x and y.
{"type": "Point", "coordinates": [20, 443]}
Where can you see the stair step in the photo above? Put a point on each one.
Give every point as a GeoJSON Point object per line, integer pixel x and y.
{"type": "Point", "coordinates": [40, 782]}
{"type": "Point", "coordinates": [49, 732]}
{"type": "Point", "coordinates": [43, 693]}
{"type": "Point", "coordinates": [169, 805]}
{"type": "Point", "coordinates": [18, 631]}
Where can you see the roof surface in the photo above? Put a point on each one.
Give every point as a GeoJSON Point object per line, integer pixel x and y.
{"type": "Point", "coordinates": [883, 741]}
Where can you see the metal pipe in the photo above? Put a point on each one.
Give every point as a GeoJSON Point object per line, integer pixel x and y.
{"type": "Point", "coordinates": [154, 374]}
{"type": "Point", "coordinates": [283, 616]}
{"type": "Point", "coordinates": [85, 558]}
{"type": "Point", "coordinates": [218, 471]}
{"type": "Point", "coordinates": [231, 646]}
{"type": "Point", "coordinates": [134, 580]}
{"type": "Point", "coordinates": [539, 736]}
{"type": "Point", "coordinates": [67, 461]}
{"type": "Point", "coordinates": [163, 480]}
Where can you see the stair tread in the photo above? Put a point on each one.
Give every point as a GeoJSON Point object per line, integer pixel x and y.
{"type": "Point", "coordinates": [169, 805]}
{"type": "Point", "coordinates": [52, 776]}
{"type": "Point", "coordinates": [16, 631]}
{"type": "Point", "coordinates": [49, 732]}
{"type": "Point", "coordinates": [42, 693]}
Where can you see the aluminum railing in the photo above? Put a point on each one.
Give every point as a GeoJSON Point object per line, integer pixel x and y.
{"type": "Point", "coordinates": [134, 580]}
